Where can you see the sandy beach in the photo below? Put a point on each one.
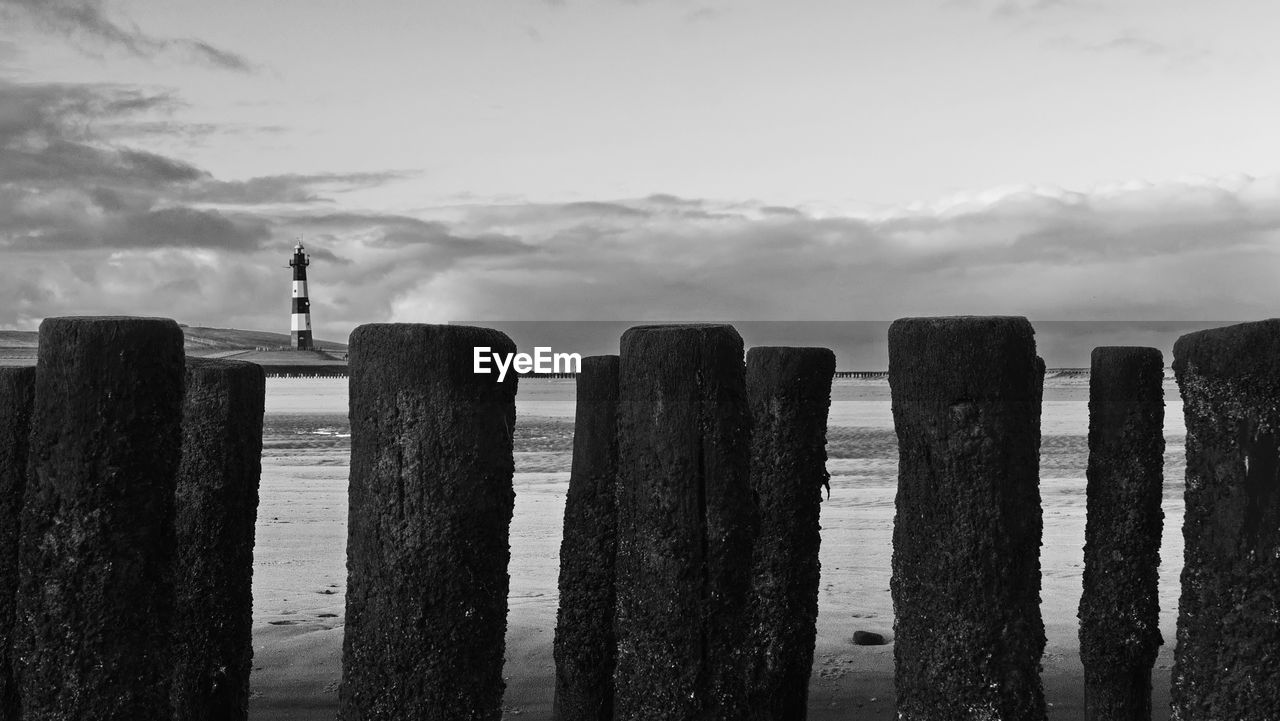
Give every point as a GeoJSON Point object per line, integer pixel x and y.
{"type": "Point", "coordinates": [299, 569]}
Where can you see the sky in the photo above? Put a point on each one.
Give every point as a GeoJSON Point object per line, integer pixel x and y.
{"type": "Point", "coordinates": [639, 159]}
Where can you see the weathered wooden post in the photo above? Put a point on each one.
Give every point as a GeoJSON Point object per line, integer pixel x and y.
{"type": "Point", "coordinates": [1120, 607]}
{"type": "Point", "coordinates": [966, 538]}
{"type": "Point", "coordinates": [585, 644]}
{"type": "Point", "coordinates": [17, 392]}
{"type": "Point", "coordinates": [790, 393]}
{"type": "Point", "coordinates": [216, 506]}
{"type": "Point", "coordinates": [430, 510]}
{"type": "Point", "coordinates": [95, 593]}
{"type": "Point", "coordinates": [1227, 660]}
{"type": "Point", "coordinates": [685, 525]}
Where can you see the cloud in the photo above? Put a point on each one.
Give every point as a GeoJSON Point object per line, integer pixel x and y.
{"type": "Point", "coordinates": [703, 14]}
{"type": "Point", "coordinates": [288, 188]}
{"type": "Point", "coordinates": [1130, 42]}
{"type": "Point", "coordinates": [8, 52]}
{"type": "Point", "coordinates": [89, 224]}
{"type": "Point", "coordinates": [1049, 16]}
{"type": "Point", "coordinates": [66, 183]}
{"type": "Point", "coordinates": [67, 110]}
{"type": "Point", "coordinates": [63, 228]}
{"type": "Point", "coordinates": [1022, 8]}
{"type": "Point", "coordinates": [64, 139]}
{"type": "Point", "coordinates": [88, 20]}
{"type": "Point", "coordinates": [190, 133]}
{"type": "Point", "coordinates": [1176, 251]}
{"type": "Point", "coordinates": [1196, 249]}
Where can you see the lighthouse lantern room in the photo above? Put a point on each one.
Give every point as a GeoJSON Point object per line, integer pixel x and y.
{"type": "Point", "coordinates": [300, 327]}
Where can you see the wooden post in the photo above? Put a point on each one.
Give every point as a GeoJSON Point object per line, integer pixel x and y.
{"type": "Point", "coordinates": [1120, 607]}
{"type": "Point", "coordinates": [966, 538]}
{"type": "Point", "coordinates": [430, 510]}
{"type": "Point", "coordinates": [1227, 659]}
{"type": "Point", "coordinates": [95, 595]}
{"type": "Point", "coordinates": [790, 392]}
{"type": "Point", "coordinates": [17, 393]}
{"type": "Point", "coordinates": [216, 508]}
{"type": "Point", "coordinates": [585, 644]}
{"type": "Point", "coordinates": [685, 525]}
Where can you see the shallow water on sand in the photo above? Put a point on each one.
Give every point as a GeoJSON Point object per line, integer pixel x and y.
{"type": "Point", "coordinates": [300, 554]}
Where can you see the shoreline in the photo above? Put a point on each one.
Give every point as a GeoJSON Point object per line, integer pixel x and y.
{"type": "Point", "coordinates": [846, 679]}
{"type": "Point", "coordinates": [299, 582]}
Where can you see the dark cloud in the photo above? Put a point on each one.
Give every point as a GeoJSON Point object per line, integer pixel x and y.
{"type": "Point", "coordinates": [187, 227]}
{"type": "Point", "coordinates": [59, 164]}
{"type": "Point", "coordinates": [167, 227]}
{"type": "Point", "coordinates": [48, 138]}
{"type": "Point", "coordinates": [225, 59]}
{"type": "Point", "coordinates": [1176, 252]}
{"type": "Point", "coordinates": [88, 20]}
{"type": "Point", "coordinates": [1124, 254]}
{"type": "Point", "coordinates": [666, 199]}
{"type": "Point", "coordinates": [289, 188]}
{"type": "Point", "coordinates": [599, 208]}
{"type": "Point", "coordinates": [188, 132]}
{"type": "Point", "coordinates": [69, 110]}
{"type": "Point", "coordinates": [780, 210]}
{"type": "Point", "coordinates": [67, 183]}
{"type": "Point", "coordinates": [408, 237]}
{"type": "Point", "coordinates": [91, 224]}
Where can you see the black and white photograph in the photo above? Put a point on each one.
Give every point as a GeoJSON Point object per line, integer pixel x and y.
{"type": "Point", "coordinates": [639, 360]}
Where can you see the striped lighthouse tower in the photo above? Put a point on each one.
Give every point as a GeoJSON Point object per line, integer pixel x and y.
{"type": "Point", "coordinates": [300, 328]}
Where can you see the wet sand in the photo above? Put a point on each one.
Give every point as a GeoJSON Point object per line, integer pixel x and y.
{"type": "Point", "coordinates": [299, 564]}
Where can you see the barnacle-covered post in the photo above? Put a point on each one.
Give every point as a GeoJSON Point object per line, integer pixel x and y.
{"type": "Point", "coordinates": [430, 505]}
{"type": "Point", "coordinates": [1120, 607]}
{"type": "Point", "coordinates": [93, 638]}
{"type": "Point", "coordinates": [966, 397]}
{"type": "Point", "coordinates": [17, 393]}
{"type": "Point", "coordinates": [1227, 659]}
{"type": "Point", "coordinates": [790, 393]}
{"type": "Point", "coordinates": [685, 524]}
{"type": "Point", "coordinates": [585, 643]}
{"type": "Point", "coordinates": [216, 507]}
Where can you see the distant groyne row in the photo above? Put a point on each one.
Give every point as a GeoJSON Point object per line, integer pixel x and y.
{"type": "Point", "coordinates": [341, 371]}
{"type": "Point", "coordinates": [276, 370]}
{"type": "Point", "coordinates": [689, 574]}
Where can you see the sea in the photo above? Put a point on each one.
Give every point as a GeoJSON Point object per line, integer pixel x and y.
{"type": "Point", "coordinates": [305, 466]}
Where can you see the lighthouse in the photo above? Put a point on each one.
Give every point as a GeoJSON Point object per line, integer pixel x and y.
{"type": "Point", "coordinates": [300, 327]}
